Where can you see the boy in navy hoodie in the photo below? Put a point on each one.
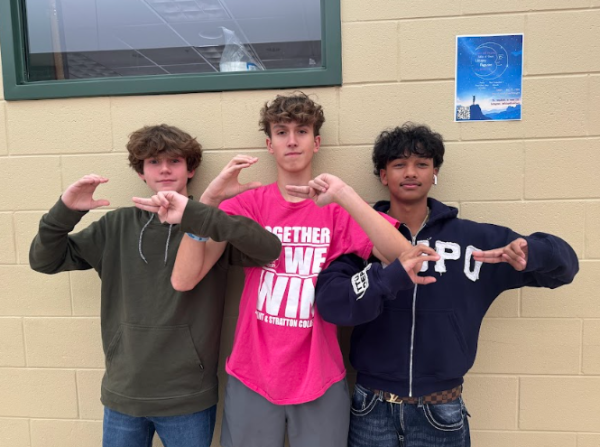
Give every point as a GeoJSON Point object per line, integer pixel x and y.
{"type": "Point", "coordinates": [412, 344]}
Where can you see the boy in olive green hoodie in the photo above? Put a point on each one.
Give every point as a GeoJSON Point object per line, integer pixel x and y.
{"type": "Point", "coordinates": [161, 346]}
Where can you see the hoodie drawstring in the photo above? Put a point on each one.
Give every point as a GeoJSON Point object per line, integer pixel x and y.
{"type": "Point", "coordinates": [142, 234]}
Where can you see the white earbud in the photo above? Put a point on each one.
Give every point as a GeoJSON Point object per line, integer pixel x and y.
{"type": "Point", "coordinates": [434, 179]}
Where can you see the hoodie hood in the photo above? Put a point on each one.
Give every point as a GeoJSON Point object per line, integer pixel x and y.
{"type": "Point", "coordinates": [438, 211]}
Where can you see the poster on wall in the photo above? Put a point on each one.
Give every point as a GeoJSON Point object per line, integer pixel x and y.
{"type": "Point", "coordinates": [489, 76]}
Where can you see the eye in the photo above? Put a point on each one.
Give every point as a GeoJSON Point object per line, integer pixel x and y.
{"type": "Point", "coordinates": [176, 160]}
{"type": "Point", "coordinates": [152, 161]}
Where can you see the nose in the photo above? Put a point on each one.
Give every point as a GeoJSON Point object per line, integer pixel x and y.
{"type": "Point", "coordinates": [292, 141]}
{"type": "Point", "coordinates": [164, 166]}
{"type": "Point", "coordinates": [410, 170]}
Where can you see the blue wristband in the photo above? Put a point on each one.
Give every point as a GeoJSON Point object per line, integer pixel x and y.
{"type": "Point", "coordinates": [197, 238]}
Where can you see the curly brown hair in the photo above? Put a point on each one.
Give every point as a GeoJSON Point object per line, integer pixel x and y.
{"type": "Point", "coordinates": [160, 141]}
{"type": "Point", "coordinates": [296, 107]}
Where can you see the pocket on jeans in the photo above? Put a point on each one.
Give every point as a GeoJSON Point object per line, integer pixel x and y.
{"type": "Point", "coordinates": [446, 417]}
{"type": "Point", "coordinates": [363, 401]}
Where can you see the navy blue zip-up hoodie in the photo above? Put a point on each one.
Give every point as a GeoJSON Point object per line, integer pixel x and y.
{"type": "Point", "coordinates": [414, 340]}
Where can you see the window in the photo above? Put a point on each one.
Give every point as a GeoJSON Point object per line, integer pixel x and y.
{"type": "Point", "coordinates": [67, 48]}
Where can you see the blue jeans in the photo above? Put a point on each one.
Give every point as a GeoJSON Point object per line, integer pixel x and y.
{"type": "Point", "coordinates": [188, 430]}
{"type": "Point", "coordinates": [377, 423]}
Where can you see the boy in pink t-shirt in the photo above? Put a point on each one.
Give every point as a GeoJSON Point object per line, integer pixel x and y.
{"type": "Point", "coordinates": [286, 366]}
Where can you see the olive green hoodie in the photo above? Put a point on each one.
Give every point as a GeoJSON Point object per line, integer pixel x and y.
{"type": "Point", "coordinates": [161, 346]}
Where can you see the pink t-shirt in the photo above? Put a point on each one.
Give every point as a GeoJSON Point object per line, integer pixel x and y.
{"type": "Point", "coordinates": [282, 348]}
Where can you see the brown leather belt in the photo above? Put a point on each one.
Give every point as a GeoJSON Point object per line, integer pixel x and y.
{"type": "Point", "coordinates": [439, 397]}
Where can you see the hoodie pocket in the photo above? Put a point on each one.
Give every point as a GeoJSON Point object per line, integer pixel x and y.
{"type": "Point", "coordinates": [440, 347]}
{"type": "Point", "coordinates": [160, 362]}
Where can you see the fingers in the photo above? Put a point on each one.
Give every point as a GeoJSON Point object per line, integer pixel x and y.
{"type": "Point", "coordinates": [515, 261]}
{"type": "Point", "coordinates": [488, 254]}
{"type": "Point", "coordinates": [89, 180]}
{"type": "Point", "coordinates": [319, 183]}
{"type": "Point", "coordinates": [239, 162]}
{"type": "Point", "coordinates": [298, 191]}
{"type": "Point", "coordinates": [145, 204]}
{"type": "Point", "coordinates": [506, 254]}
{"type": "Point", "coordinates": [519, 246]}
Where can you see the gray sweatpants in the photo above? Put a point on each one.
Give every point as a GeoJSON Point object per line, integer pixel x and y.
{"type": "Point", "coordinates": [250, 420]}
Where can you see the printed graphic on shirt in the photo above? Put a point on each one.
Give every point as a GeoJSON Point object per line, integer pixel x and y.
{"type": "Point", "coordinates": [360, 282]}
{"type": "Point", "coordinates": [286, 291]}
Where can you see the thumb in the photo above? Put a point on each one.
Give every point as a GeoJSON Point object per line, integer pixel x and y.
{"type": "Point", "coordinates": [424, 280]}
{"type": "Point", "coordinates": [98, 203]}
{"type": "Point", "coordinates": [162, 214]}
{"type": "Point", "coordinates": [250, 185]}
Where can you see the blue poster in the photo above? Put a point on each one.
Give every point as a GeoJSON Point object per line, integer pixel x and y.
{"type": "Point", "coordinates": [489, 75]}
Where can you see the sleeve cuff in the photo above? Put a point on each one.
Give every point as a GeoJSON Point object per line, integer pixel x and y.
{"type": "Point", "coordinates": [395, 278]}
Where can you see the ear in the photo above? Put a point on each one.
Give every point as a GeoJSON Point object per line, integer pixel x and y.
{"type": "Point", "coordinates": [191, 173]}
{"type": "Point", "coordinates": [269, 145]}
{"type": "Point", "coordinates": [317, 144]}
{"type": "Point", "coordinates": [383, 177]}
{"type": "Point", "coordinates": [141, 175]}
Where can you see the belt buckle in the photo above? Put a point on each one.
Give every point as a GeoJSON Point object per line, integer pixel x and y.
{"type": "Point", "coordinates": [394, 399]}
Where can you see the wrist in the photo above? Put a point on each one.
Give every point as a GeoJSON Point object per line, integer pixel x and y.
{"type": "Point", "coordinates": [345, 196]}
{"type": "Point", "coordinates": [210, 200]}
{"type": "Point", "coordinates": [197, 238]}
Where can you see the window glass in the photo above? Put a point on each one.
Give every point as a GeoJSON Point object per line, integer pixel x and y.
{"type": "Point", "coordinates": [83, 39]}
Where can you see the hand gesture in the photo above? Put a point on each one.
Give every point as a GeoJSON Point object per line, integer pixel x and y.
{"type": "Point", "coordinates": [413, 259]}
{"type": "Point", "coordinates": [226, 185]}
{"type": "Point", "coordinates": [514, 253]}
{"type": "Point", "coordinates": [323, 190]}
{"type": "Point", "coordinates": [169, 205]}
{"type": "Point", "coordinates": [79, 195]}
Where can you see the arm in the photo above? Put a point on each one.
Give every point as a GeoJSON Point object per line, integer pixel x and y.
{"type": "Point", "coordinates": [348, 293]}
{"type": "Point", "coordinates": [53, 250]}
{"type": "Point", "coordinates": [253, 244]}
{"type": "Point", "coordinates": [544, 260]}
{"type": "Point", "coordinates": [326, 189]}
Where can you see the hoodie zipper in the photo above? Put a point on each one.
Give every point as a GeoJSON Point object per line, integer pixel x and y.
{"type": "Point", "coordinates": [414, 319]}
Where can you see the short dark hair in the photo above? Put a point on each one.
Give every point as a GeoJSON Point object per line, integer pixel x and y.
{"type": "Point", "coordinates": [406, 140]}
{"type": "Point", "coordinates": [296, 107]}
{"type": "Point", "coordinates": [162, 140]}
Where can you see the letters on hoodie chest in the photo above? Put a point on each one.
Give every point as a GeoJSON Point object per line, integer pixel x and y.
{"type": "Point", "coordinates": [453, 258]}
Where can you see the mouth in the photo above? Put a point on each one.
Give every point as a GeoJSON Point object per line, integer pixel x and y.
{"type": "Point", "coordinates": [166, 181]}
{"type": "Point", "coordinates": [410, 184]}
{"type": "Point", "coordinates": [293, 154]}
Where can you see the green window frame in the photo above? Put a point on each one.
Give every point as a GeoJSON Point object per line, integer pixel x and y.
{"type": "Point", "coordinates": [16, 86]}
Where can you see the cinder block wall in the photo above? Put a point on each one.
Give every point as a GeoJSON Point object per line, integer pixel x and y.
{"type": "Point", "coordinates": [536, 381]}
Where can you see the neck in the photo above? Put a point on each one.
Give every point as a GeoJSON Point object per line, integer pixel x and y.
{"type": "Point", "coordinates": [300, 178]}
{"type": "Point", "coordinates": [411, 214]}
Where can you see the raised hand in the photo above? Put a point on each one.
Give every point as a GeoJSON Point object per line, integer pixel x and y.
{"type": "Point", "coordinates": [226, 184]}
{"type": "Point", "coordinates": [514, 253]}
{"type": "Point", "coordinates": [323, 189]}
{"type": "Point", "coordinates": [413, 259]}
{"type": "Point", "coordinates": [169, 205]}
{"type": "Point", "coordinates": [79, 195]}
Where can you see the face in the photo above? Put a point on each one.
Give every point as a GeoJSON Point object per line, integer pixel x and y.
{"type": "Point", "coordinates": [409, 179]}
{"type": "Point", "coordinates": [166, 174]}
{"type": "Point", "coordinates": [293, 145]}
